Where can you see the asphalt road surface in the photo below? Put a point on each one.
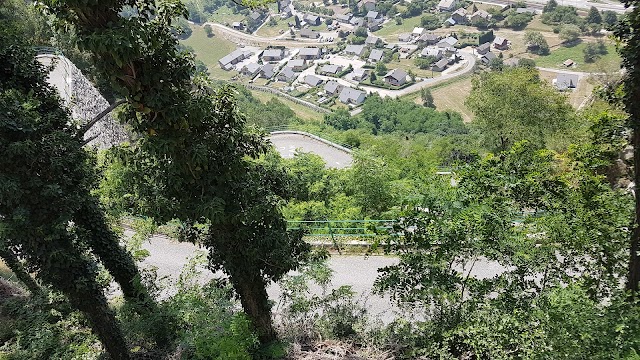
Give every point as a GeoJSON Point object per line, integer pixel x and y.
{"type": "Point", "coordinates": [288, 144]}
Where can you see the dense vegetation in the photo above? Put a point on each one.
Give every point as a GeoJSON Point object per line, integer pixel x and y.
{"type": "Point", "coordinates": [533, 189]}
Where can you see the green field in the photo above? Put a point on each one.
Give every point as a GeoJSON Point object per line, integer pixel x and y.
{"type": "Point", "coordinates": [608, 62]}
{"type": "Point", "coordinates": [391, 30]}
{"type": "Point", "coordinates": [209, 50]}
{"type": "Point", "coordinates": [302, 111]}
{"type": "Point", "coordinates": [271, 31]}
{"type": "Point", "coordinates": [224, 15]}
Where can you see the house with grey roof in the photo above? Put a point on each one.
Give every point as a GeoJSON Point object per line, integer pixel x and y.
{"type": "Point", "coordinates": [440, 65]}
{"type": "Point", "coordinates": [373, 17]}
{"type": "Point", "coordinates": [233, 58]}
{"type": "Point", "coordinates": [432, 51]}
{"type": "Point", "coordinates": [356, 21]}
{"type": "Point", "coordinates": [447, 42]}
{"type": "Point", "coordinates": [375, 56]}
{"type": "Point", "coordinates": [267, 71]}
{"type": "Point", "coordinates": [406, 37]}
{"type": "Point", "coordinates": [310, 34]}
{"type": "Point", "coordinates": [566, 81]}
{"type": "Point", "coordinates": [368, 5]}
{"type": "Point", "coordinates": [417, 32]}
{"type": "Point", "coordinates": [344, 18]}
{"type": "Point", "coordinates": [310, 53]}
{"type": "Point", "coordinates": [396, 77]}
{"type": "Point", "coordinates": [460, 16]}
{"type": "Point", "coordinates": [313, 20]}
{"type": "Point", "coordinates": [428, 39]}
{"type": "Point", "coordinates": [352, 96]}
{"type": "Point", "coordinates": [354, 49]}
{"type": "Point", "coordinates": [372, 40]}
{"type": "Point", "coordinates": [480, 15]}
{"type": "Point", "coordinates": [333, 88]}
{"type": "Point", "coordinates": [287, 75]}
{"type": "Point", "coordinates": [486, 58]}
{"type": "Point", "coordinates": [484, 48]}
{"type": "Point", "coordinates": [251, 69]}
{"type": "Point", "coordinates": [446, 5]}
{"type": "Point", "coordinates": [297, 64]}
{"type": "Point", "coordinates": [312, 80]}
{"type": "Point", "coordinates": [330, 69]}
{"type": "Point", "coordinates": [255, 16]}
{"type": "Point", "coordinates": [237, 25]}
{"type": "Point", "coordinates": [360, 74]}
{"type": "Point", "coordinates": [273, 55]}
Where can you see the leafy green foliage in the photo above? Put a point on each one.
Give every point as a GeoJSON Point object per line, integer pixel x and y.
{"type": "Point", "coordinates": [516, 105]}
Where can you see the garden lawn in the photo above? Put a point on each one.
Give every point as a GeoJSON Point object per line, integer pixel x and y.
{"type": "Point", "coordinates": [303, 112]}
{"type": "Point", "coordinates": [272, 31]}
{"type": "Point", "coordinates": [225, 15]}
{"type": "Point", "coordinates": [391, 30]}
{"type": "Point", "coordinates": [608, 62]}
{"type": "Point", "coordinates": [209, 50]}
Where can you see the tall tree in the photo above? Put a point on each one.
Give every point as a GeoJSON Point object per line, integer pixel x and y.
{"type": "Point", "coordinates": [191, 159]}
{"type": "Point", "coordinates": [515, 105]}
{"type": "Point", "coordinates": [45, 179]}
{"type": "Point", "coordinates": [594, 16]}
{"type": "Point", "coordinates": [628, 32]}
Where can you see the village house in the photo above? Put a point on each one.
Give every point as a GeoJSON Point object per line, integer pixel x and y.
{"type": "Point", "coordinates": [428, 39]}
{"type": "Point", "coordinates": [360, 74]}
{"type": "Point", "coordinates": [297, 64]}
{"type": "Point", "coordinates": [333, 88]}
{"type": "Point", "coordinates": [255, 16]}
{"type": "Point", "coordinates": [417, 32]}
{"type": "Point", "coordinates": [446, 5]}
{"type": "Point", "coordinates": [273, 55]}
{"type": "Point", "coordinates": [375, 56]}
{"type": "Point", "coordinates": [343, 18]}
{"type": "Point", "coordinates": [368, 5]}
{"type": "Point", "coordinates": [440, 65]}
{"type": "Point", "coordinates": [267, 71]}
{"type": "Point", "coordinates": [372, 40]}
{"type": "Point", "coordinates": [312, 20]}
{"type": "Point", "coordinates": [330, 69]}
{"type": "Point", "coordinates": [447, 42]}
{"type": "Point", "coordinates": [406, 37]}
{"type": "Point", "coordinates": [354, 49]}
{"type": "Point", "coordinates": [356, 21]}
{"type": "Point", "coordinates": [483, 49]}
{"type": "Point", "coordinates": [287, 75]}
{"type": "Point", "coordinates": [233, 58]}
{"type": "Point", "coordinates": [310, 53]}
{"type": "Point", "coordinates": [486, 58]}
{"type": "Point", "coordinates": [500, 43]}
{"type": "Point", "coordinates": [237, 25]}
{"type": "Point", "coordinates": [568, 63]}
{"type": "Point", "coordinates": [432, 51]}
{"type": "Point", "coordinates": [312, 80]}
{"type": "Point", "coordinates": [352, 96]}
{"type": "Point", "coordinates": [310, 34]}
{"type": "Point", "coordinates": [460, 16]}
{"type": "Point", "coordinates": [374, 17]}
{"type": "Point", "coordinates": [396, 77]}
{"type": "Point", "coordinates": [251, 69]}
{"type": "Point", "coordinates": [479, 15]}
{"type": "Point", "coordinates": [565, 81]}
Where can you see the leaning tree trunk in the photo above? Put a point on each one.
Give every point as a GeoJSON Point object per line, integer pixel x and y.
{"type": "Point", "coordinates": [255, 302]}
{"type": "Point", "coordinates": [14, 264]}
{"type": "Point", "coordinates": [120, 264]}
{"type": "Point", "coordinates": [69, 271]}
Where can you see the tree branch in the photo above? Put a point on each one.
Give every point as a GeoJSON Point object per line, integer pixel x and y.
{"type": "Point", "coordinates": [90, 124]}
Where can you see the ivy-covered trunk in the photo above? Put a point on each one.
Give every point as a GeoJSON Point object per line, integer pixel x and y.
{"type": "Point", "coordinates": [14, 264]}
{"type": "Point", "coordinates": [633, 279]}
{"type": "Point", "coordinates": [255, 302]}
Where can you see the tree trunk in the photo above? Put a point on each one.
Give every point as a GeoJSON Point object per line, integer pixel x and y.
{"type": "Point", "coordinates": [69, 270]}
{"type": "Point", "coordinates": [633, 279]}
{"type": "Point", "coordinates": [120, 264]}
{"type": "Point", "coordinates": [14, 264]}
{"type": "Point", "coordinates": [255, 302]}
